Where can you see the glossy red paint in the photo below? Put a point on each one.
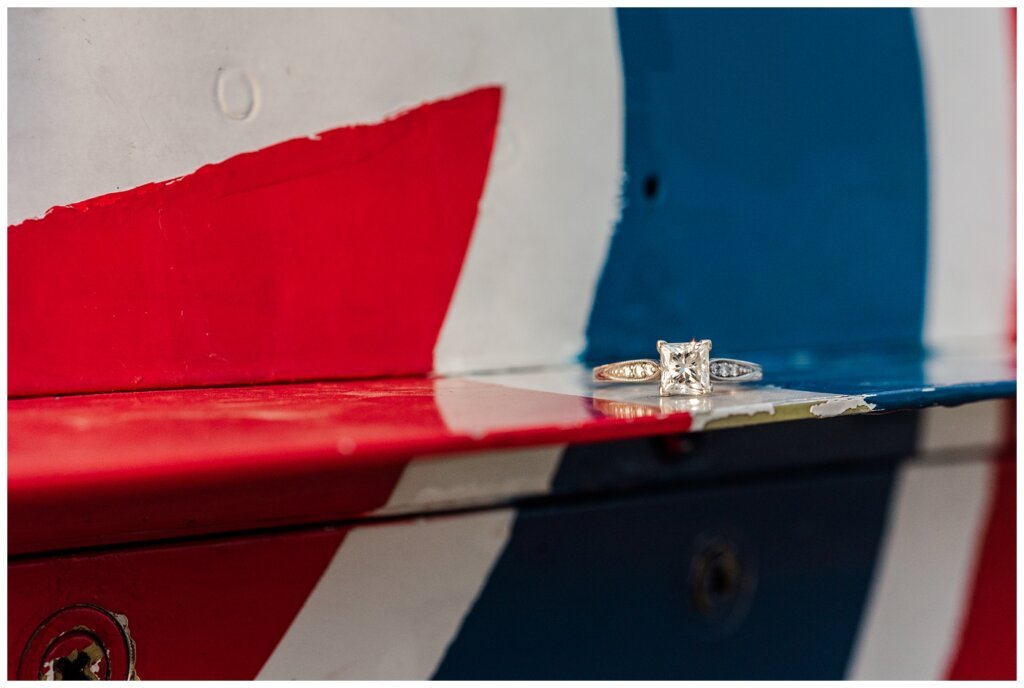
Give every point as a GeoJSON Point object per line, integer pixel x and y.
{"type": "Point", "coordinates": [99, 469]}
{"type": "Point", "coordinates": [325, 257]}
{"type": "Point", "coordinates": [209, 610]}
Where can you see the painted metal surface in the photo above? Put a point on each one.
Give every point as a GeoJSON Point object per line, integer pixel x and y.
{"type": "Point", "coordinates": [850, 186]}
{"type": "Point", "coordinates": [283, 264]}
{"type": "Point", "coordinates": [788, 170]}
{"type": "Point", "coordinates": [97, 469]}
{"type": "Point", "coordinates": [818, 200]}
{"type": "Point", "coordinates": [87, 122]}
{"type": "Point", "coordinates": [607, 583]}
{"type": "Point", "coordinates": [971, 170]}
{"type": "Point", "coordinates": [619, 606]}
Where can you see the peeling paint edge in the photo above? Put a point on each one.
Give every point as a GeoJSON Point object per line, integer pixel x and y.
{"type": "Point", "coordinates": [841, 406]}
{"type": "Point", "coordinates": [727, 418]}
{"type": "Point", "coordinates": [774, 413]}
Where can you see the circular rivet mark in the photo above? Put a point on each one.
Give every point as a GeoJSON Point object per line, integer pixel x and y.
{"type": "Point", "coordinates": [237, 93]}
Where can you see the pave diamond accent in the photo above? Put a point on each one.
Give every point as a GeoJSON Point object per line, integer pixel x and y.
{"type": "Point", "coordinates": [731, 370]}
{"type": "Point", "coordinates": [723, 369]}
{"type": "Point", "coordinates": [628, 371]}
{"type": "Point", "coordinates": [685, 368]}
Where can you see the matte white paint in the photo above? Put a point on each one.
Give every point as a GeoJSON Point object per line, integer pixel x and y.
{"type": "Point", "coordinates": [552, 200]}
{"type": "Point", "coordinates": [102, 100]}
{"type": "Point", "coordinates": [392, 599]}
{"type": "Point", "coordinates": [972, 426]}
{"type": "Point", "coordinates": [971, 361]}
{"type": "Point", "coordinates": [473, 479]}
{"type": "Point", "coordinates": [467, 414]}
{"type": "Point", "coordinates": [966, 57]}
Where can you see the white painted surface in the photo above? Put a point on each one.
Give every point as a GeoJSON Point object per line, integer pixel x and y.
{"type": "Point", "coordinates": [102, 100]}
{"type": "Point", "coordinates": [527, 287]}
{"type": "Point", "coordinates": [971, 361]}
{"type": "Point", "coordinates": [392, 599]}
{"type": "Point", "coordinates": [725, 401]}
{"type": "Point", "coordinates": [85, 121]}
{"type": "Point", "coordinates": [470, 414]}
{"type": "Point", "coordinates": [474, 479]}
{"type": "Point", "coordinates": [922, 579]}
{"type": "Point", "coordinates": [977, 426]}
{"type": "Point", "coordinates": [966, 58]}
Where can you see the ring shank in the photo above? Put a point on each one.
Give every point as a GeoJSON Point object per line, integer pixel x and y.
{"type": "Point", "coordinates": [735, 370]}
{"type": "Point", "coordinates": [637, 370]}
{"type": "Point", "coordinates": [647, 370]}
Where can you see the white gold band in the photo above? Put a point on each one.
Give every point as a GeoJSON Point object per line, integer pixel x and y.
{"type": "Point", "coordinates": [647, 370]}
{"type": "Point", "coordinates": [685, 369]}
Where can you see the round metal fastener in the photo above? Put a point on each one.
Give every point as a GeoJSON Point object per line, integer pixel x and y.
{"type": "Point", "coordinates": [82, 641]}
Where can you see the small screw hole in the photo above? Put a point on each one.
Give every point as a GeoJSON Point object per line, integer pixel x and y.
{"type": "Point", "coordinates": [652, 187]}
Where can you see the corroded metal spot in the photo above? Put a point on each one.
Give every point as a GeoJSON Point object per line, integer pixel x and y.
{"type": "Point", "coordinates": [75, 656]}
{"type": "Point", "coordinates": [80, 642]}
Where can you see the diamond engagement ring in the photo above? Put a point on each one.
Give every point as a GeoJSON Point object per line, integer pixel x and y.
{"type": "Point", "coordinates": [685, 369]}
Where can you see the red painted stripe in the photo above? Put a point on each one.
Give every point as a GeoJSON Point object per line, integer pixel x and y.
{"type": "Point", "coordinates": [212, 610]}
{"type": "Point", "coordinates": [98, 469]}
{"type": "Point", "coordinates": [987, 648]}
{"type": "Point", "coordinates": [329, 257]}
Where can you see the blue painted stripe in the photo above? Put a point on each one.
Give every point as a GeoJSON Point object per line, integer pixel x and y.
{"type": "Point", "coordinates": [607, 591]}
{"type": "Point", "coordinates": [793, 141]}
{"type": "Point", "coordinates": [776, 192]}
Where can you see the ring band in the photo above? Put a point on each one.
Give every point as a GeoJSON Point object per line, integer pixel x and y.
{"type": "Point", "coordinates": [684, 369]}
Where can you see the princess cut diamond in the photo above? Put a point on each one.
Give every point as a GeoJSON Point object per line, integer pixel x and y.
{"type": "Point", "coordinates": [685, 367]}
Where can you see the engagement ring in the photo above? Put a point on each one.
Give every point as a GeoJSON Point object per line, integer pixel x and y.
{"type": "Point", "coordinates": [685, 369]}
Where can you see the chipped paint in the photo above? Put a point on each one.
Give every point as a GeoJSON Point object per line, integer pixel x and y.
{"type": "Point", "coordinates": [841, 406]}
{"type": "Point", "coordinates": [730, 417]}
{"type": "Point", "coordinates": [726, 407]}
